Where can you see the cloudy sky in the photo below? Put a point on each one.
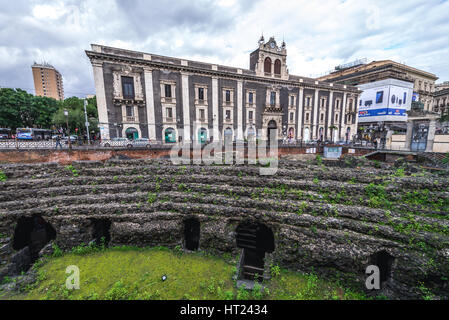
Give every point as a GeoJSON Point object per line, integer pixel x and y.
{"type": "Point", "coordinates": [319, 34]}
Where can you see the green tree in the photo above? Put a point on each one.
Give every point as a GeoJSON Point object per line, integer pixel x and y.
{"type": "Point", "coordinates": [18, 108]}
{"type": "Point", "coordinates": [76, 118]}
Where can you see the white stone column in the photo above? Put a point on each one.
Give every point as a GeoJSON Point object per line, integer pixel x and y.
{"type": "Point", "coordinates": [329, 115]}
{"type": "Point", "coordinates": [300, 110]}
{"type": "Point", "coordinates": [149, 98]}
{"type": "Point", "coordinates": [101, 100]}
{"type": "Point", "coordinates": [314, 133]}
{"type": "Point", "coordinates": [431, 136]}
{"type": "Point", "coordinates": [356, 123]}
{"type": "Point", "coordinates": [186, 106]}
{"type": "Point", "coordinates": [239, 110]}
{"type": "Point", "coordinates": [215, 115]}
{"type": "Point", "coordinates": [342, 116]}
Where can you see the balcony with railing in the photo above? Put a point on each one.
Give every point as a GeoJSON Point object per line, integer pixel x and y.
{"type": "Point", "coordinates": [168, 100]}
{"type": "Point", "coordinates": [200, 102]}
{"type": "Point", "coordinates": [272, 108]}
{"type": "Point", "coordinates": [169, 120]}
{"type": "Point", "coordinates": [132, 119]}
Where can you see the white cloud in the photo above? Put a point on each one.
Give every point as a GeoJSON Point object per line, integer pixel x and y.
{"type": "Point", "coordinates": [319, 34]}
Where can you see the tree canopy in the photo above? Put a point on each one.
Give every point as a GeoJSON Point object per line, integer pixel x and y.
{"type": "Point", "coordinates": [20, 109]}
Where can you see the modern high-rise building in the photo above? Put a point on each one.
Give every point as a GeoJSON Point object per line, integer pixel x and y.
{"type": "Point", "coordinates": [47, 81]}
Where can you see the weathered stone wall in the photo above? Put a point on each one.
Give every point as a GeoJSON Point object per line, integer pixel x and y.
{"type": "Point", "coordinates": [103, 154]}
{"type": "Point", "coordinates": [324, 218]}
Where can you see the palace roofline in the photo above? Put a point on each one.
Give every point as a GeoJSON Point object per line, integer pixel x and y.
{"type": "Point", "coordinates": [142, 58]}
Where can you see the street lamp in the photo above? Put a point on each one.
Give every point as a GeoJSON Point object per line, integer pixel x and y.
{"type": "Point", "coordinates": [66, 113]}
{"type": "Point", "coordinates": [87, 122]}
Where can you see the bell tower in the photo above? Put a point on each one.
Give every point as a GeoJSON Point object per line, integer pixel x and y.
{"type": "Point", "coordinates": [269, 60]}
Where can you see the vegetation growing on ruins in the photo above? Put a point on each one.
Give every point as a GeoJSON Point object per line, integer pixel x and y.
{"type": "Point", "coordinates": [2, 176]}
{"type": "Point", "coordinates": [329, 208]}
{"type": "Point", "coordinates": [123, 273]}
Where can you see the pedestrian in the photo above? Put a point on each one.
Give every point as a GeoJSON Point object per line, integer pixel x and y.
{"type": "Point", "coordinates": [58, 142]}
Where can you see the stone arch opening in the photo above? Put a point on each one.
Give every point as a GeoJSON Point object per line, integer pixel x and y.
{"type": "Point", "coordinates": [32, 232]}
{"type": "Point", "coordinates": [267, 65]}
{"type": "Point", "coordinates": [255, 239]}
{"type": "Point", "coordinates": [192, 234]}
{"type": "Point", "coordinates": [277, 67]}
{"type": "Point", "coordinates": [132, 133]}
{"type": "Point", "coordinates": [170, 135]}
{"type": "Point", "coordinates": [272, 130]}
{"type": "Point", "coordinates": [384, 261]}
{"type": "Point", "coordinates": [101, 230]}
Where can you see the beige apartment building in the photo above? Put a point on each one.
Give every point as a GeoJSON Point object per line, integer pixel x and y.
{"type": "Point", "coordinates": [424, 82]}
{"type": "Point", "coordinates": [47, 81]}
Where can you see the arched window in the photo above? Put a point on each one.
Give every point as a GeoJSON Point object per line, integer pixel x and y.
{"type": "Point", "coordinates": [267, 65]}
{"type": "Point", "coordinates": [170, 135]}
{"type": "Point", "coordinates": [277, 67]}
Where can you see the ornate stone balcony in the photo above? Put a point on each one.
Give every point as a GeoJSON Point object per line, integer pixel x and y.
{"type": "Point", "coordinates": [273, 109]}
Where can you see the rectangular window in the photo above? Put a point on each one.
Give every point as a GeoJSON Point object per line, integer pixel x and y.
{"type": "Point", "coordinates": [337, 104]}
{"type": "Point", "coordinates": [250, 98]}
{"type": "Point", "coordinates": [129, 111]}
{"type": "Point", "coordinates": [308, 102]}
{"type": "Point", "coordinates": [322, 117]}
{"type": "Point", "coordinates": [273, 98]}
{"type": "Point", "coordinates": [169, 113]}
{"type": "Point", "coordinates": [250, 115]}
{"type": "Point", "coordinates": [379, 97]}
{"type": "Point", "coordinates": [168, 91]}
{"type": "Point", "coordinates": [202, 116]}
{"type": "Point", "coordinates": [307, 117]}
{"type": "Point", "coordinates": [228, 96]}
{"type": "Point", "coordinates": [128, 87]}
{"type": "Point", "coordinates": [291, 116]}
{"type": "Point", "coordinates": [200, 93]}
{"type": "Point", "coordinates": [292, 100]}
{"type": "Point", "coordinates": [336, 118]}
{"type": "Point", "coordinates": [228, 114]}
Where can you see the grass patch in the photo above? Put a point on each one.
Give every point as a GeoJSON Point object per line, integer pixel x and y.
{"type": "Point", "coordinates": [125, 273]}
{"type": "Point", "coordinates": [2, 176]}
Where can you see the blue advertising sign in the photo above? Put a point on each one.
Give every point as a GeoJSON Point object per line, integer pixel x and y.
{"type": "Point", "coordinates": [382, 112]}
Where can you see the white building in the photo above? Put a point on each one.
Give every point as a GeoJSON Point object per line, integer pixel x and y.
{"type": "Point", "coordinates": [385, 101]}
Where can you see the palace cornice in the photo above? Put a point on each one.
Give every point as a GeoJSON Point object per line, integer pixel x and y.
{"type": "Point", "coordinates": [105, 57]}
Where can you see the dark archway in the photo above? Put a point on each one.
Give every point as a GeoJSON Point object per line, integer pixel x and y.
{"type": "Point", "coordinates": [267, 65]}
{"type": "Point", "coordinates": [170, 135]}
{"type": "Point", "coordinates": [277, 67]}
{"type": "Point", "coordinates": [192, 234]}
{"type": "Point", "coordinates": [272, 130]}
{"type": "Point", "coordinates": [101, 230]}
{"type": "Point", "coordinates": [33, 232]}
{"type": "Point", "coordinates": [384, 261]}
{"type": "Point", "coordinates": [255, 239]}
{"type": "Point", "coordinates": [132, 134]}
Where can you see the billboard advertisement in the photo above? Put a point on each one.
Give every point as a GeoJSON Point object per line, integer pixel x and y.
{"type": "Point", "coordinates": [385, 100]}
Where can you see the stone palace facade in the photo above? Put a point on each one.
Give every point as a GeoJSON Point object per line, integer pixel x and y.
{"type": "Point", "coordinates": [142, 95]}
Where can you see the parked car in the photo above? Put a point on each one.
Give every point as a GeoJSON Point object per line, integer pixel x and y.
{"type": "Point", "coordinates": [73, 138]}
{"type": "Point", "coordinates": [117, 142]}
{"type": "Point", "coordinates": [141, 143]}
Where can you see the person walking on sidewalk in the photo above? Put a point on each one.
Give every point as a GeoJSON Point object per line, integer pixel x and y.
{"type": "Point", "coordinates": [58, 142]}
